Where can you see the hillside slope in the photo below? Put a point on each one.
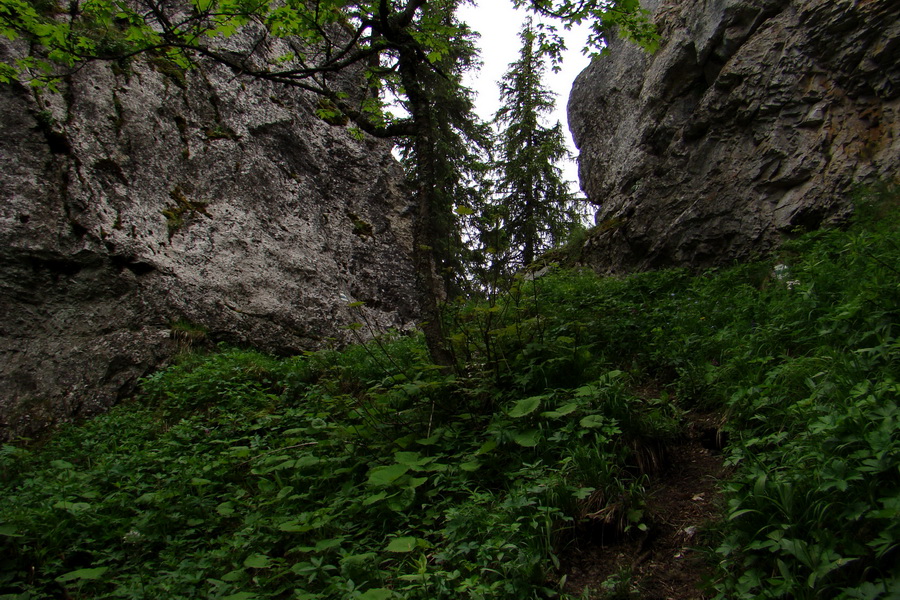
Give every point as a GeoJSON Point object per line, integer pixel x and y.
{"type": "Point", "coordinates": [572, 447]}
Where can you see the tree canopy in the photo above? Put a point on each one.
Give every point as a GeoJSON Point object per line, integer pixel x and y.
{"type": "Point", "coordinates": [323, 38]}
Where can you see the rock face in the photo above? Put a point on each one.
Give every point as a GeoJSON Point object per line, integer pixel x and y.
{"type": "Point", "coordinates": [142, 197]}
{"type": "Point", "coordinates": [753, 119]}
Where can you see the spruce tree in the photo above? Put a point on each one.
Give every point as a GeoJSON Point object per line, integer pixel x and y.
{"type": "Point", "coordinates": [532, 208]}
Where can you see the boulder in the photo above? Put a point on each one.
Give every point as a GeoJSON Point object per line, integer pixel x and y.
{"type": "Point", "coordinates": [753, 120]}
{"type": "Point", "coordinates": [147, 207]}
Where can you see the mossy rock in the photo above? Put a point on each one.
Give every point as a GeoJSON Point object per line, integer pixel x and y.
{"type": "Point", "coordinates": [181, 211]}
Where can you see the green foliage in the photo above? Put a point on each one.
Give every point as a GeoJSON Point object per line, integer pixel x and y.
{"type": "Point", "coordinates": [226, 481]}
{"type": "Point", "coordinates": [625, 17]}
{"type": "Point", "coordinates": [531, 208]}
{"type": "Point", "coordinates": [169, 67]}
{"type": "Point", "coordinates": [371, 473]}
{"type": "Point", "coordinates": [812, 394]}
{"type": "Point", "coordinates": [188, 336]}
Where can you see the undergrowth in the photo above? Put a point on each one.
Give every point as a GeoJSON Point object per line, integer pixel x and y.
{"type": "Point", "coordinates": [369, 473]}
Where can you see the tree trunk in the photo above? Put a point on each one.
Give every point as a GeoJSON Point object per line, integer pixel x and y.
{"type": "Point", "coordinates": [429, 285]}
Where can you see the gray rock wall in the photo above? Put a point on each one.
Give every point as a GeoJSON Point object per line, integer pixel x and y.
{"type": "Point", "coordinates": [753, 119]}
{"type": "Point", "coordinates": [141, 195]}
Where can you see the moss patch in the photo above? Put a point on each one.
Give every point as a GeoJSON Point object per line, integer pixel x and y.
{"type": "Point", "coordinates": [329, 112]}
{"type": "Point", "coordinates": [183, 210]}
{"type": "Point", "coordinates": [361, 228]}
{"type": "Point", "coordinates": [220, 132]}
{"type": "Point", "coordinates": [169, 68]}
{"type": "Point", "coordinates": [188, 335]}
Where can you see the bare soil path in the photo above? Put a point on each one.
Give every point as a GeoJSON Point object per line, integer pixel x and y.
{"type": "Point", "coordinates": [665, 562]}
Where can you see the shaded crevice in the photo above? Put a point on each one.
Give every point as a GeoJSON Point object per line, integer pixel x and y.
{"type": "Point", "coordinates": [136, 266]}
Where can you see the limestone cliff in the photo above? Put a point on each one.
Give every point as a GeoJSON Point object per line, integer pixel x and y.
{"type": "Point", "coordinates": [142, 195]}
{"type": "Point", "coordinates": [752, 120]}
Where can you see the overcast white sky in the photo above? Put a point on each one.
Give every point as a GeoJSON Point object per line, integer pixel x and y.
{"type": "Point", "coordinates": [499, 25]}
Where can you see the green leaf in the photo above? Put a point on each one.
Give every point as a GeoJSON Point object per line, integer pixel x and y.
{"type": "Point", "coordinates": [365, 559]}
{"type": "Point", "coordinates": [611, 376]}
{"type": "Point", "coordinates": [525, 407]}
{"type": "Point", "coordinates": [295, 527]}
{"type": "Point", "coordinates": [759, 486]}
{"type": "Point", "coordinates": [148, 498]}
{"type": "Point", "coordinates": [562, 411]}
{"type": "Point", "coordinates": [582, 493]}
{"type": "Point", "coordinates": [430, 441]}
{"type": "Point", "coordinates": [738, 513]}
{"type": "Point", "coordinates": [235, 575]}
{"type": "Point", "coordinates": [239, 451]}
{"type": "Point", "coordinates": [307, 460]}
{"type": "Point", "coordinates": [377, 594]}
{"type": "Point", "coordinates": [257, 561]}
{"type": "Point", "coordinates": [73, 507]}
{"type": "Point", "coordinates": [401, 544]}
{"type": "Point", "coordinates": [591, 421]}
{"type": "Point", "coordinates": [82, 574]}
{"type": "Point", "coordinates": [415, 482]}
{"type": "Point", "coordinates": [486, 447]}
{"type": "Point", "coordinates": [384, 476]}
{"type": "Point", "coordinates": [528, 439]}
{"type": "Point", "coordinates": [323, 545]}
{"type": "Point", "coordinates": [240, 596]}
{"type": "Point", "coordinates": [374, 498]}
{"type": "Point", "coordinates": [410, 459]}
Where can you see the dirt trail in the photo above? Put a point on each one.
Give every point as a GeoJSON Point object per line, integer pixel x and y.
{"type": "Point", "coordinates": [660, 564]}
